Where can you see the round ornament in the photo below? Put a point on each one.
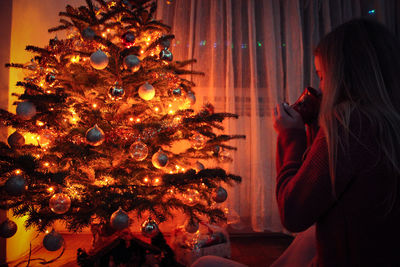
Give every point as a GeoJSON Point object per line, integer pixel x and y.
{"type": "Point", "coordinates": [26, 110]}
{"type": "Point", "coordinates": [95, 136]}
{"type": "Point", "coordinates": [176, 92]}
{"type": "Point", "coordinates": [224, 155]}
{"type": "Point", "coordinates": [139, 151]}
{"type": "Point", "coordinates": [147, 91]}
{"type": "Point", "coordinates": [198, 141]}
{"type": "Point", "coordinates": [150, 228]}
{"type": "Point", "coordinates": [116, 92]}
{"type": "Point", "coordinates": [53, 241]}
{"type": "Point", "coordinates": [165, 54]}
{"type": "Point", "coordinates": [15, 185]}
{"type": "Point", "coordinates": [132, 63]}
{"type": "Point", "coordinates": [60, 203]}
{"type": "Point", "coordinates": [119, 220]}
{"type": "Point", "coordinates": [99, 60]}
{"type": "Point", "coordinates": [159, 159]}
{"type": "Point", "coordinates": [50, 79]}
{"type": "Point", "coordinates": [88, 33]}
{"type": "Point", "coordinates": [191, 97]}
{"type": "Point", "coordinates": [16, 140]}
{"type": "Point", "coordinates": [220, 195]}
{"type": "Point", "coordinates": [166, 43]}
{"type": "Point", "coordinates": [128, 39]}
{"type": "Point", "coordinates": [192, 226]}
{"type": "Point", "coordinates": [8, 228]}
{"type": "Point", "coordinates": [198, 166]}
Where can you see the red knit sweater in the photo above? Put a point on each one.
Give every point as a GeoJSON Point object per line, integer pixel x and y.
{"type": "Point", "coordinates": [352, 229]}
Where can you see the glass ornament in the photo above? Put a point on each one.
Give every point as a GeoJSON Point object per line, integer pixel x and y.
{"type": "Point", "coordinates": [146, 91]}
{"type": "Point", "coordinates": [16, 140]}
{"type": "Point", "coordinates": [53, 241]}
{"type": "Point", "coordinates": [220, 194]}
{"type": "Point", "coordinates": [128, 39]}
{"type": "Point", "coordinates": [88, 33]}
{"type": "Point", "coordinates": [198, 166]}
{"type": "Point", "coordinates": [149, 228]}
{"type": "Point", "coordinates": [8, 228]}
{"type": "Point", "coordinates": [99, 60]}
{"type": "Point", "coordinates": [191, 97]}
{"type": "Point", "coordinates": [139, 151]}
{"type": "Point", "coordinates": [190, 197]}
{"type": "Point", "coordinates": [119, 219]}
{"type": "Point", "coordinates": [197, 141]}
{"type": "Point", "coordinates": [95, 136]}
{"type": "Point", "coordinates": [116, 92]}
{"type": "Point", "coordinates": [26, 110]}
{"type": "Point", "coordinates": [159, 159]}
{"type": "Point", "coordinates": [60, 203]}
{"type": "Point", "coordinates": [15, 185]}
{"type": "Point", "coordinates": [132, 63]}
{"type": "Point", "coordinates": [191, 226]}
{"type": "Point", "coordinates": [165, 54]}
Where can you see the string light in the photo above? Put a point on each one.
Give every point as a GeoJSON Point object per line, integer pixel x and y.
{"type": "Point", "coordinates": [156, 109]}
{"type": "Point", "coordinates": [50, 189]}
{"type": "Point", "coordinates": [75, 59]}
{"type": "Point", "coordinates": [46, 164]}
{"type": "Point", "coordinates": [18, 171]}
{"type": "Point", "coordinates": [131, 119]}
{"type": "Point", "coordinates": [94, 105]}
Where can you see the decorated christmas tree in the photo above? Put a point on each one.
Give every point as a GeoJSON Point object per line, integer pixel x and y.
{"type": "Point", "coordinates": [116, 135]}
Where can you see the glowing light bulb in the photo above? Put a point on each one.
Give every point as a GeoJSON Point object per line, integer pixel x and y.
{"type": "Point", "coordinates": [94, 105]}
{"type": "Point", "coordinates": [46, 164]}
{"type": "Point", "coordinates": [137, 120]}
{"type": "Point", "coordinates": [17, 171]}
{"type": "Point", "coordinates": [131, 119]}
{"type": "Point", "coordinates": [156, 109]}
{"type": "Point", "coordinates": [50, 189]}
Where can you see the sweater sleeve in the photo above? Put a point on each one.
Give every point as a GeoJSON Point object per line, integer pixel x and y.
{"type": "Point", "coordinates": [303, 189]}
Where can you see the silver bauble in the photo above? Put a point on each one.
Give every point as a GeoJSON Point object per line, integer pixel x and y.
{"type": "Point", "coordinates": [220, 195]}
{"type": "Point", "coordinates": [116, 92]}
{"type": "Point", "coordinates": [165, 54]}
{"type": "Point", "coordinates": [15, 185]}
{"type": "Point", "coordinates": [132, 63]}
{"type": "Point", "coordinates": [198, 166]}
{"type": "Point", "coordinates": [119, 220]}
{"type": "Point", "coordinates": [53, 241]}
{"type": "Point", "coordinates": [60, 203]}
{"type": "Point", "coordinates": [88, 33]}
{"type": "Point", "coordinates": [139, 151]}
{"type": "Point", "coordinates": [99, 60]}
{"type": "Point", "coordinates": [16, 140]}
{"type": "Point", "coordinates": [159, 159]}
{"type": "Point", "coordinates": [150, 228]}
{"type": "Point", "coordinates": [95, 136]}
{"type": "Point", "coordinates": [26, 110]}
{"type": "Point", "coordinates": [8, 228]}
{"type": "Point", "coordinates": [192, 98]}
{"type": "Point", "coordinates": [146, 91]}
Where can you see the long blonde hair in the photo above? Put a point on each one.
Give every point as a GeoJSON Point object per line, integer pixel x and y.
{"type": "Point", "coordinates": [361, 64]}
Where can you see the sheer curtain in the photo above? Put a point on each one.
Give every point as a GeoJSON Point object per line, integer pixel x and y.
{"type": "Point", "coordinates": [256, 54]}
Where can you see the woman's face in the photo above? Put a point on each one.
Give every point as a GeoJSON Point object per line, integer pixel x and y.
{"type": "Point", "coordinates": [318, 69]}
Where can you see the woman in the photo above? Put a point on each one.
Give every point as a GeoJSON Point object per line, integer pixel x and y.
{"type": "Point", "coordinates": [348, 184]}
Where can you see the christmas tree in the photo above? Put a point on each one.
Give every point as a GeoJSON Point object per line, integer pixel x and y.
{"type": "Point", "coordinates": [108, 107]}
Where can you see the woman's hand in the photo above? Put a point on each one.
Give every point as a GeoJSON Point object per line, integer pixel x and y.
{"type": "Point", "coordinates": [285, 117]}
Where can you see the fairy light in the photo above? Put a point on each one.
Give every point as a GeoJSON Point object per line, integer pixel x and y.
{"type": "Point", "coordinates": [46, 164]}
{"type": "Point", "coordinates": [137, 120]}
{"type": "Point", "coordinates": [41, 84]}
{"type": "Point", "coordinates": [156, 109]}
{"type": "Point", "coordinates": [171, 112]}
{"type": "Point", "coordinates": [131, 119]}
{"type": "Point", "coordinates": [94, 105]}
{"type": "Point", "coordinates": [50, 189]}
{"type": "Point", "coordinates": [51, 109]}
{"type": "Point", "coordinates": [39, 123]}
{"type": "Point", "coordinates": [108, 30]}
{"type": "Point", "coordinates": [141, 51]}
{"type": "Point", "coordinates": [75, 59]}
{"type": "Point", "coordinates": [48, 91]}
{"type": "Point", "coordinates": [103, 34]}
{"type": "Point", "coordinates": [18, 171]}
{"type": "Point", "coordinates": [146, 180]}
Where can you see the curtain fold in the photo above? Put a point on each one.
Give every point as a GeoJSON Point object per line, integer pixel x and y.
{"type": "Point", "coordinates": [256, 54]}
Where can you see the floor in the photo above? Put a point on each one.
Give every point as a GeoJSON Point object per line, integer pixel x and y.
{"type": "Point", "coordinates": [254, 250]}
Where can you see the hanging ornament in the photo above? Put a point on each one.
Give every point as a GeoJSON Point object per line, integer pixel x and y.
{"type": "Point", "coordinates": [159, 159]}
{"type": "Point", "coordinates": [224, 155]}
{"type": "Point", "coordinates": [191, 97]}
{"type": "Point", "coordinates": [50, 79]}
{"type": "Point", "coordinates": [119, 220]}
{"type": "Point", "coordinates": [95, 136]}
{"type": "Point", "coordinates": [165, 54]}
{"type": "Point", "coordinates": [176, 92]}
{"type": "Point", "coordinates": [16, 140]}
{"type": "Point", "coordinates": [99, 60]}
{"type": "Point", "coordinates": [139, 151]}
{"type": "Point", "coordinates": [15, 185]}
{"type": "Point", "coordinates": [192, 226]}
{"type": "Point", "coordinates": [53, 241]}
{"type": "Point", "coordinates": [60, 203]}
{"type": "Point", "coordinates": [26, 110]}
{"type": "Point", "coordinates": [150, 228]}
{"type": "Point", "coordinates": [116, 92]}
{"type": "Point", "coordinates": [198, 166]}
{"type": "Point", "coordinates": [128, 39]}
{"type": "Point", "coordinates": [220, 194]}
{"type": "Point", "coordinates": [166, 43]}
{"type": "Point", "coordinates": [198, 141]}
{"type": "Point", "coordinates": [8, 228]}
{"type": "Point", "coordinates": [132, 63]}
{"type": "Point", "coordinates": [88, 33]}
{"type": "Point", "coordinates": [146, 91]}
